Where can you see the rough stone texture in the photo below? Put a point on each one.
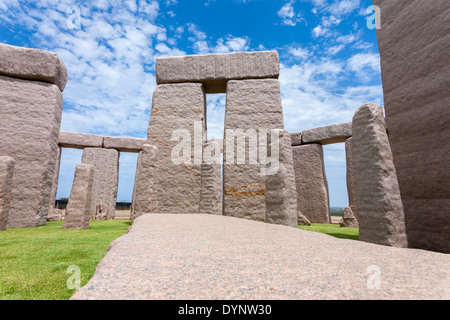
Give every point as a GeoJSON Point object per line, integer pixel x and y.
{"type": "Point", "coordinates": [211, 191]}
{"type": "Point", "coordinates": [351, 189]}
{"type": "Point", "coordinates": [29, 128]}
{"type": "Point", "coordinates": [32, 64]}
{"type": "Point", "coordinates": [281, 194]}
{"type": "Point", "coordinates": [302, 220]}
{"type": "Point", "coordinates": [209, 257]}
{"type": "Point", "coordinates": [335, 133]}
{"type": "Point", "coordinates": [214, 70]}
{"type": "Point", "coordinates": [106, 178]}
{"type": "Point", "coordinates": [348, 220]}
{"type": "Point", "coordinates": [145, 184]}
{"type": "Point", "coordinates": [311, 182]}
{"type": "Point", "coordinates": [178, 107]}
{"type": "Point", "coordinates": [101, 211]}
{"type": "Point", "coordinates": [380, 210]}
{"type": "Point", "coordinates": [123, 144]}
{"type": "Point", "coordinates": [6, 179]}
{"type": "Point", "coordinates": [78, 209]}
{"type": "Point", "coordinates": [414, 42]}
{"type": "Point", "coordinates": [54, 214]}
{"type": "Point", "coordinates": [251, 104]}
{"type": "Point", "coordinates": [79, 140]}
{"type": "Point", "coordinates": [51, 204]}
{"type": "Point", "coordinates": [296, 139]}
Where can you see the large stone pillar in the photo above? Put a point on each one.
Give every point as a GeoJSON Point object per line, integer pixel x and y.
{"type": "Point", "coordinates": [106, 178]}
{"type": "Point", "coordinates": [31, 82]}
{"type": "Point", "coordinates": [6, 179]}
{"type": "Point", "coordinates": [351, 190]}
{"type": "Point", "coordinates": [145, 184]}
{"type": "Point", "coordinates": [281, 195]}
{"type": "Point", "coordinates": [379, 205]}
{"type": "Point", "coordinates": [253, 106]}
{"type": "Point", "coordinates": [51, 204]}
{"type": "Point", "coordinates": [414, 44]}
{"type": "Point", "coordinates": [78, 209]}
{"type": "Point", "coordinates": [311, 181]}
{"type": "Point", "coordinates": [211, 191]}
{"type": "Point", "coordinates": [177, 129]}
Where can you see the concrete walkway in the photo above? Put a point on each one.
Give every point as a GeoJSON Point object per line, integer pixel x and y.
{"type": "Point", "coordinates": [216, 257]}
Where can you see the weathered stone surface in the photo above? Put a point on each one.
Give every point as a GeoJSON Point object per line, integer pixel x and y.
{"type": "Point", "coordinates": [101, 211]}
{"type": "Point", "coordinates": [51, 204]}
{"type": "Point", "coordinates": [54, 214]}
{"type": "Point", "coordinates": [214, 70]}
{"type": "Point", "coordinates": [302, 220]}
{"type": "Point", "coordinates": [145, 184]}
{"type": "Point", "coordinates": [211, 191]}
{"type": "Point", "coordinates": [414, 41]}
{"type": "Point", "coordinates": [6, 180]}
{"type": "Point", "coordinates": [348, 219]}
{"type": "Point", "coordinates": [237, 259]}
{"type": "Point", "coordinates": [123, 144]}
{"type": "Point", "coordinates": [351, 189]}
{"type": "Point", "coordinates": [78, 209]}
{"type": "Point", "coordinates": [296, 139]}
{"type": "Point", "coordinates": [176, 110]}
{"type": "Point", "coordinates": [251, 105]}
{"type": "Point", "coordinates": [32, 64]}
{"type": "Point", "coordinates": [335, 133]}
{"type": "Point", "coordinates": [281, 194]}
{"type": "Point", "coordinates": [106, 177]}
{"type": "Point", "coordinates": [379, 205]}
{"type": "Point", "coordinates": [79, 140]}
{"type": "Point", "coordinates": [311, 182]}
{"type": "Point", "coordinates": [29, 127]}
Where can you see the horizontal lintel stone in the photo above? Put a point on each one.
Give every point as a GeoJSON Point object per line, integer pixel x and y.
{"type": "Point", "coordinates": [32, 64]}
{"type": "Point", "coordinates": [335, 133]}
{"type": "Point", "coordinates": [215, 70]}
{"type": "Point", "coordinates": [79, 140]}
{"type": "Point", "coordinates": [123, 144]}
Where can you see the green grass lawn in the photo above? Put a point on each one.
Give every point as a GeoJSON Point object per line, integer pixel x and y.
{"type": "Point", "coordinates": [34, 261]}
{"type": "Point", "coordinates": [334, 230]}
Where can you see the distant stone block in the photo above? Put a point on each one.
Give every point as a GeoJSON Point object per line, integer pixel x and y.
{"type": "Point", "coordinates": [123, 144]}
{"type": "Point", "coordinates": [32, 64]}
{"type": "Point", "coordinates": [215, 70]}
{"type": "Point", "coordinates": [211, 190]}
{"type": "Point", "coordinates": [328, 135]}
{"type": "Point", "coordinates": [79, 140]}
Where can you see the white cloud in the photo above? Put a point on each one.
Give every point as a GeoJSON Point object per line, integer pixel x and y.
{"type": "Point", "coordinates": [287, 13]}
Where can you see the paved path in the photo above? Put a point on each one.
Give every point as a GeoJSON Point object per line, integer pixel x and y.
{"type": "Point", "coordinates": [215, 257]}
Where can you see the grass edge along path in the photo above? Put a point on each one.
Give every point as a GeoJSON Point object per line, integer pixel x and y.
{"type": "Point", "coordinates": [34, 262]}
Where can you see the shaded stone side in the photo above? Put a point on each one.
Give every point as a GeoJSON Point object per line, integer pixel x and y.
{"type": "Point", "coordinates": [251, 105]}
{"type": "Point", "coordinates": [281, 195]}
{"type": "Point", "coordinates": [351, 190]}
{"type": "Point", "coordinates": [176, 109]}
{"type": "Point", "coordinates": [311, 183]}
{"type": "Point", "coordinates": [78, 209]}
{"type": "Point", "coordinates": [32, 64]}
{"type": "Point", "coordinates": [414, 42]}
{"type": "Point", "coordinates": [379, 205]}
{"type": "Point", "coordinates": [215, 70]}
{"type": "Point", "coordinates": [211, 191]}
{"type": "Point", "coordinates": [6, 179]}
{"type": "Point", "coordinates": [145, 185]}
{"type": "Point", "coordinates": [51, 204]}
{"type": "Point", "coordinates": [29, 128]}
{"type": "Point", "coordinates": [106, 178]}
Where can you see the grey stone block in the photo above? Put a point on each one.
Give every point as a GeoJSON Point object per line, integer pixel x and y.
{"type": "Point", "coordinates": [6, 180]}
{"type": "Point", "coordinates": [335, 133]}
{"type": "Point", "coordinates": [124, 144]}
{"type": "Point", "coordinates": [211, 191]}
{"type": "Point", "coordinates": [79, 140]}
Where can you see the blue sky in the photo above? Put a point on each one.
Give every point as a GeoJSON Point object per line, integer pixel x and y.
{"type": "Point", "coordinates": [329, 62]}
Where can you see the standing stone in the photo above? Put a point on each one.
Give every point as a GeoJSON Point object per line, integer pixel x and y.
{"type": "Point", "coordinates": [6, 180]}
{"type": "Point", "coordinates": [145, 184]}
{"type": "Point", "coordinates": [106, 178]}
{"type": "Point", "coordinates": [380, 210]}
{"type": "Point", "coordinates": [281, 195]}
{"type": "Point", "coordinates": [351, 190]}
{"type": "Point", "coordinates": [55, 215]}
{"type": "Point", "coordinates": [311, 182]}
{"type": "Point", "coordinates": [414, 46]}
{"type": "Point", "coordinates": [211, 191]}
{"type": "Point", "coordinates": [178, 109]}
{"type": "Point", "coordinates": [51, 205]}
{"type": "Point", "coordinates": [29, 128]}
{"type": "Point", "coordinates": [78, 209]}
{"type": "Point", "coordinates": [253, 106]}
{"type": "Point", "coordinates": [101, 211]}
{"type": "Point", "coordinates": [348, 219]}
{"type": "Point", "coordinates": [302, 220]}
